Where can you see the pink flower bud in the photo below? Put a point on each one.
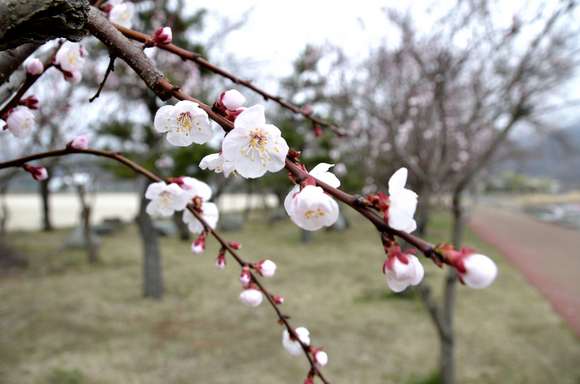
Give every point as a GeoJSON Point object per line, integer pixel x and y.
{"type": "Point", "coordinates": [251, 297]}
{"type": "Point", "coordinates": [235, 245]}
{"type": "Point", "coordinates": [309, 379]}
{"type": "Point", "coordinates": [278, 299]}
{"type": "Point", "coordinates": [198, 245]}
{"type": "Point", "coordinates": [232, 99]}
{"type": "Point", "coordinates": [163, 35]}
{"type": "Point", "coordinates": [79, 142]}
{"type": "Point", "coordinates": [266, 268]}
{"type": "Point", "coordinates": [34, 67]}
{"type": "Point", "coordinates": [38, 173]}
{"type": "Point", "coordinates": [30, 102]}
{"type": "Point", "coordinates": [245, 277]}
{"type": "Point", "coordinates": [220, 262]}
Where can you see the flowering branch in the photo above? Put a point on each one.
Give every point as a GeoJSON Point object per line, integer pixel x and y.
{"type": "Point", "coordinates": [100, 27]}
{"type": "Point", "coordinates": [227, 246]}
{"type": "Point", "coordinates": [27, 83]}
{"type": "Point", "coordinates": [202, 62]}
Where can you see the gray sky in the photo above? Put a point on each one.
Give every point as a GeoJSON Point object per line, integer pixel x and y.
{"type": "Point", "coordinates": [276, 31]}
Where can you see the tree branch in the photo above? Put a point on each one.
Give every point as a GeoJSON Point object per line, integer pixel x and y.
{"type": "Point", "coordinates": [124, 49]}
{"type": "Point", "coordinates": [137, 168]}
{"type": "Point", "coordinates": [24, 21]}
{"type": "Point", "coordinates": [203, 62]}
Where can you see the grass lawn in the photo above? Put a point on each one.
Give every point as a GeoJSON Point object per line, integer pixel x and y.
{"type": "Point", "coordinates": [64, 322]}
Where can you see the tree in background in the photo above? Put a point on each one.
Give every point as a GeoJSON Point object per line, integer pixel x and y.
{"type": "Point", "coordinates": [442, 102]}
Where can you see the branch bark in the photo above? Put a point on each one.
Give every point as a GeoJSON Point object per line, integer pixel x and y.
{"type": "Point", "coordinates": [25, 21]}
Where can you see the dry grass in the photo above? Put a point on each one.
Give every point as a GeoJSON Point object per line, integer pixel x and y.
{"type": "Point", "coordinates": [63, 322]}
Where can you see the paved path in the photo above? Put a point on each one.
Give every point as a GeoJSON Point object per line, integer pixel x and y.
{"type": "Point", "coordinates": [547, 255]}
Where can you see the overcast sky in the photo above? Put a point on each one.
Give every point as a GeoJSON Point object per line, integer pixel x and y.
{"type": "Point", "coordinates": [276, 31]}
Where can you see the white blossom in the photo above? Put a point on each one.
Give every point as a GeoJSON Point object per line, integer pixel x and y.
{"type": "Point", "coordinates": [480, 271]}
{"type": "Point", "coordinates": [400, 275]}
{"type": "Point", "coordinates": [215, 162]}
{"type": "Point", "coordinates": [267, 268]}
{"type": "Point", "coordinates": [311, 208]}
{"type": "Point", "coordinates": [165, 199]}
{"type": "Point", "coordinates": [196, 189]}
{"type": "Point", "coordinates": [34, 66]}
{"type": "Point", "coordinates": [70, 59]}
{"type": "Point", "coordinates": [20, 122]}
{"type": "Point", "coordinates": [253, 146]}
{"type": "Point", "coordinates": [321, 358]}
{"type": "Point", "coordinates": [402, 203]}
{"type": "Point", "coordinates": [232, 99]}
{"type": "Point", "coordinates": [184, 122]}
{"type": "Point", "coordinates": [252, 297]}
{"type": "Point", "coordinates": [320, 172]}
{"type": "Point", "coordinates": [293, 346]}
{"type": "Point", "coordinates": [122, 13]}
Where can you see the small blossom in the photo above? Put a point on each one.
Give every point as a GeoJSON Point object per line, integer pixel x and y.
{"type": "Point", "coordinates": [198, 245]}
{"type": "Point", "coordinates": [479, 271]}
{"type": "Point", "coordinates": [402, 269]}
{"type": "Point", "coordinates": [184, 122]}
{"type": "Point", "coordinates": [245, 276]}
{"type": "Point", "coordinates": [278, 299]}
{"type": "Point", "coordinates": [253, 146]}
{"type": "Point", "coordinates": [20, 122]}
{"type": "Point", "coordinates": [38, 173]}
{"type": "Point", "coordinates": [34, 66]}
{"type": "Point", "coordinates": [266, 268]}
{"type": "Point", "coordinates": [163, 35]}
{"type": "Point", "coordinates": [293, 346]}
{"type": "Point", "coordinates": [311, 208]}
{"type": "Point", "coordinates": [122, 13]}
{"type": "Point", "coordinates": [320, 357]}
{"type": "Point", "coordinates": [70, 59]}
{"type": "Point", "coordinates": [252, 297]}
{"type": "Point", "coordinates": [235, 245]}
{"type": "Point", "coordinates": [215, 162]}
{"type": "Point", "coordinates": [200, 193]}
{"type": "Point", "coordinates": [232, 99]}
{"type": "Point", "coordinates": [165, 199]}
{"type": "Point", "coordinates": [79, 142]}
{"type": "Point", "coordinates": [402, 203]}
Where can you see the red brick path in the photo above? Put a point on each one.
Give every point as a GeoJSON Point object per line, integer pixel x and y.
{"type": "Point", "coordinates": [546, 254]}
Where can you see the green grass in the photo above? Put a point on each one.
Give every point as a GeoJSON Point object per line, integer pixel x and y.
{"type": "Point", "coordinates": [63, 321]}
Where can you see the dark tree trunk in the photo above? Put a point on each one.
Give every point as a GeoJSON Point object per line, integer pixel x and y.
{"type": "Point", "coordinates": [152, 267]}
{"type": "Point", "coordinates": [447, 357]}
{"type": "Point", "coordinates": [45, 198]}
{"type": "Point", "coordinates": [90, 245]}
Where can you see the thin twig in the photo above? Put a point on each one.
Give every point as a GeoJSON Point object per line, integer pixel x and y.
{"type": "Point", "coordinates": [137, 168]}
{"type": "Point", "coordinates": [110, 68]}
{"type": "Point", "coordinates": [203, 62]}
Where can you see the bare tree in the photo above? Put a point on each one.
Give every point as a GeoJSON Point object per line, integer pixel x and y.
{"type": "Point", "coordinates": [442, 102]}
